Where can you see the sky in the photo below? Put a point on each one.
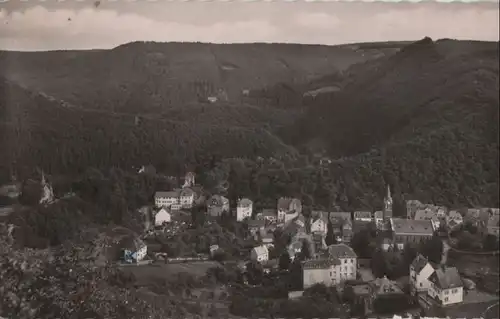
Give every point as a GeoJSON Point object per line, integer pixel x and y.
{"type": "Point", "coordinates": [32, 25]}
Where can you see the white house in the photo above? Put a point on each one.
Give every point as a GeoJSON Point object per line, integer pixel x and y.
{"type": "Point", "coordinates": [166, 199]}
{"type": "Point", "coordinates": [244, 209]}
{"type": "Point", "coordinates": [162, 216]}
{"type": "Point", "coordinates": [420, 271]}
{"type": "Point", "coordinates": [446, 286]}
{"type": "Point", "coordinates": [288, 209]}
{"type": "Point", "coordinates": [348, 261]}
{"type": "Point", "coordinates": [186, 197]}
{"type": "Point", "coordinates": [134, 249]}
{"type": "Point", "coordinates": [319, 222]}
{"type": "Point", "coordinates": [260, 253]}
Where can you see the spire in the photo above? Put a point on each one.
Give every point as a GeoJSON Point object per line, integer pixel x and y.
{"type": "Point", "coordinates": [388, 193]}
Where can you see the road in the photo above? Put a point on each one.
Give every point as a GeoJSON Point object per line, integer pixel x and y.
{"type": "Point", "coordinates": [491, 312]}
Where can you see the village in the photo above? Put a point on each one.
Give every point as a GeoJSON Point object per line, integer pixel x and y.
{"type": "Point", "coordinates": [318, 248]}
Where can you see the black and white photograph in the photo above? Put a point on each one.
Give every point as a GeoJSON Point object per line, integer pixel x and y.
{"type": "Point", "coordinates": [244, 159]}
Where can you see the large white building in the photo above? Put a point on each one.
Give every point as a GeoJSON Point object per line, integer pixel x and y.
{"type": "Point", "coordinates": [162, 216]}
{"type": "Point", "coordinates": [339, 265]}
{"type": "Point", "coordinates": [260, 253]}
{"type": "Point", "coordinates": [420, 271]}
{"type": "Point", "coordinates": [446, 286]}
{"type": "Point", "coordinates": [176, 199]}
{"type": "Point", "coordinates": [244, 209]}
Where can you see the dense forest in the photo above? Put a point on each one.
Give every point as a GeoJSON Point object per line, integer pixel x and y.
{"type": "Point", "coordinates": [423, 120]}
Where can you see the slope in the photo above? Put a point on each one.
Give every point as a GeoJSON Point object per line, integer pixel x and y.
{"type": "Point", "coordinates": [61, 138]}
{"type": "Point", "coordinates": [149, 77]}
{"type": "Point", "coordinates": [425, 119]}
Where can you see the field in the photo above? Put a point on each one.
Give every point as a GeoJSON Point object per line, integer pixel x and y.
{"type": "Point", "coordinates": [160, 272]}
{"type": "Point", "coordinates": [483, 270]}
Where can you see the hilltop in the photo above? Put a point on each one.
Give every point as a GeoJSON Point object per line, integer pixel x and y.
{"type": "Point", "coordinates": [149, 77]}
{"type": "Point", "coordinates": [425, 118]}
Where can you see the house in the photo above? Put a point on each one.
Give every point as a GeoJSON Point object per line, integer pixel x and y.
{"type": "Point", "coordinates": [420, 271]}
{"type": "Point", "coordinates": [453, 219]}
{"type": "Point", "coordinates": [260, 254]}
{"type": "Point", "coordinates": [166, 199]}
{"type": "Point", "coordinates": [446, 286]}
{"type": "Point", "coordinates": [133, 248]}
{"type": "Point", "coordinates": [319, 222]}
{"type": "Point", "coordinates": [363, 216]}
{"type": "Point", "coordinates": [320, 271]}
{"type": "Point", "coordinates": [411, 231]}
{"type": "Point", "coordinates": [300, 220]}
{"type": "Point", "coordinates": [244, 209]}
{"type": "Point", "coordinates": [186, 197]}
{"type": "Point", "coordinates": [288, 209]}
{"type": "Point", "coordinates": [217, 205]}
{"type": "Point", "coordinates": [347, 267]}
{"type": "Point", "coordinates": [269, 214]}
{"type": "Point", "coordinates": [256, 226]}
{"type": "Point", "coordinates": [294, 249]}
{"type": "Point", "coordinates": [347, 232]}
{"type": "Point", "coordinates": [345, 217]}
{"type": "Point", "coordinates": [267, 239]}
{"type": "Point", "coordinates": [189, 180]}
{"type": "Point", "coordinates": [213, 250]}
{"type": "Point", "coordinates": [411, 208]}
{"type": "Point", "coordinates": [489, 221]}
{"type": "Point", "coordinates": [212, 99]}
{"type": "Point", "coordinates": [428, 213]}
{"type": "Point", "coordinates": [162, 216]}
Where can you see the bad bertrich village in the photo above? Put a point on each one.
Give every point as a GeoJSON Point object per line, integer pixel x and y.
{"type": "Point", "coordinates": [289, 260]}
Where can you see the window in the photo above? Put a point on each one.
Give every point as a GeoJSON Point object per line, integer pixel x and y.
{"type": "Point", "coordinates": [446, 292]}
{"type": "Point", "coordinates": [454, 290]}
{"type": "Point", "coordinates": [446, 299]}
{"type": "Point", "coordinates": [420, 284]}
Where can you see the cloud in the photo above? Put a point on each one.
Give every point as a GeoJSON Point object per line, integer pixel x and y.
{"type": "Point", "coordinates": [69, 27]}
{"type": "Point", "coordinates": [318, 20]}
{"type": "Point", "coordinates": [37, 28]}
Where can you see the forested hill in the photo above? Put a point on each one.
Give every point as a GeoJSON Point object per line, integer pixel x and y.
{"type": "Point", "coordinates": [148, 77]}
{"type": "Point", "coordinates": [426, 119]}
{"type": "Point", "coordinates": [40, 131]}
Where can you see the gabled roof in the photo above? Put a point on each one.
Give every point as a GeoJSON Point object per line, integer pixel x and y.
{"type": "Point", "coordinates": [426, 214]}
{"type": "Point", "coordinates": [453, 214]}
{"type": "Point", "coordinates": [341, 251]}
{"type": "Point", "coordinates": [346, 216]}
{"type": "Point", "coordinates": [419, 263]}
{"type": "Point", "coordinates": [385, 286]}
{"type": "Point", "coordinates": [217, 200]}
{"type": "Point", "coordinates": [244, 202]}
{"type": "Point", "coordinates": [163, 209]}
{"type": "Point", "coordinates": [408, 226]}
{"type": "Point", "coordinates": [260, 250]}
{"type": "Point", "coordinates": [319, 215]}
{"type": "Point", "coordinates": [446, 278]}
{"type": "Point", "coordinates": [168, 194]}
{"type": "Point", "coordinates": [285, 202]}
{"type": "Point", "coordinates": [320, 263]}
{"type": "Point", "coordinates": [378, 214]}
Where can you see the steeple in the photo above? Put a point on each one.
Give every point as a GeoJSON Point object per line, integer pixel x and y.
{"type": "Point", "coordinates": [388, 204]}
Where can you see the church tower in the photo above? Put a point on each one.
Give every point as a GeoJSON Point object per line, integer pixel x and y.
{"type": "Point", "coordinates": [388, 204]}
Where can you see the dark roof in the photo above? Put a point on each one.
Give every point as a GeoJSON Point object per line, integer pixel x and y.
{"type": "Point", "coordinates": [419, 263]}
{"type": "Point", "coordinates": [446, 278]}
{"type": "Point", "coordinates": [217, 200]}
{"type": "Point", "coordinates": [169, 194]}
{"type": "Point", "coordinates": [244, 202]}
{"type": "Point", "coordinates": [284, 203]}
{"type": "Point", "coordinates": [360, 214]}
{"type": "Point", "coordinates": [341, 251]}
{"type": "Point", "coordinates": [320, 263]}
{"type": "Point", "coordinates": [256, 223]}
{"type": "Point", "coordinates": [269, 212]}
{"type": "Point", "coordinates": [408, 226]}
{"type": "Point", "coordinates": [186, 192]}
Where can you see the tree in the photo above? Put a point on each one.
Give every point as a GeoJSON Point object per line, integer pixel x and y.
{"type": "Point", "coordinates": [490, 243]}
{"type": "Point", "coordinates": [330, 235]}
{"type": "Point", "coordinates": [360, 242]}
{"type": "Point", "coordinates": [305, 252]}
{"type": "Point", "coordinates": [432, 249]}
{"type": "Point", "coordinates": [379, 264]}
{"type": "Point", "coordinates": [198, 216]}
{"type": "Point", "coordinates": [284, 261]}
